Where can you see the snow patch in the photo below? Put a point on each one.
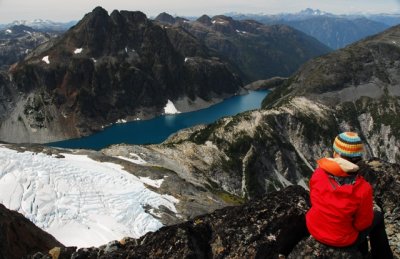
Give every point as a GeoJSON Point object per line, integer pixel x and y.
{"type": "Point", "coordinates": [243, 32]}
{"type": "Point", "coordinates": [151, 182]}
{"type": "Point", "coordinates": [220, 22]}
{"type": "Point", "coordinates": [121, 121]}
{"type": "Point", "coordinates": [78, 200]}
{"type": "Point", "coordinates": [77, 51]}
{"type": "Point", "coordinates": [135, 159]}
{"type": "Point", "coordinates": [8, 31]}
{"type": "Point", "coordinates": [46, 59]}
{"type": "Point", "coordinates": [170, 108]}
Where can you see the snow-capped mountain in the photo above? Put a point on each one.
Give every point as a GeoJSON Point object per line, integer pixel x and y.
{"type": "Point", "coordinates": [80, 201]}
{"type": "Point", "coordinates": [44, 25]}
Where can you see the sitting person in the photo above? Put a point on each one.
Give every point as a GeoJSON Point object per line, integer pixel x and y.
{"type": "Point", "coordinates": [342, 213]}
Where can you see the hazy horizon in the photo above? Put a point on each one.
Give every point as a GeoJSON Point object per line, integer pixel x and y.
{"type": "Point", "coordinates": [11, 10]}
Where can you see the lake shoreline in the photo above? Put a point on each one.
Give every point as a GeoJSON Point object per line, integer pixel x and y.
{"type": "Point", "coordinates": [158, 129]}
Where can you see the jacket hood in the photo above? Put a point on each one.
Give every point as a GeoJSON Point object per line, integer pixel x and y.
{"type": "Point", "coordinates": [337, 166]}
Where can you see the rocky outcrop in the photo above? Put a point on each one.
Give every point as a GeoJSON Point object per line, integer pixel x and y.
{"type": "Point", "coordinates": [86, 79]}
{"type": "Point", "coordinates": [19, 236]}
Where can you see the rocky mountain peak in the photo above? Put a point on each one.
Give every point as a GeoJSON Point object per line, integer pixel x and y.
{"type": "Point", "coordinates": [165, 18]}
{"type": "Point", "coordinates": [205, 19]}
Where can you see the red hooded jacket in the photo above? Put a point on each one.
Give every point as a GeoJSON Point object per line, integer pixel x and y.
{"type": "Point", "coordinates": [338, 212]}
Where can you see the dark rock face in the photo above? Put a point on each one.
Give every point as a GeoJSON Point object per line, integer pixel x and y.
{"type": "Point", "coordinates": [19, 236]}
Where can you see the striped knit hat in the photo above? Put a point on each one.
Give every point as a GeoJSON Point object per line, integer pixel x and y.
{"type": "Point", "coordinates": [348, 144]}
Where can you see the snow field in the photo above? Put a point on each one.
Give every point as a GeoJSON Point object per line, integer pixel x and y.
{"type": "Point", "coordinates": [79, 201]}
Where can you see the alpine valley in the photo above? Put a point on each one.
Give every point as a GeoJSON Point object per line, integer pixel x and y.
{"type": "Point", "coordinates": [236, 188]}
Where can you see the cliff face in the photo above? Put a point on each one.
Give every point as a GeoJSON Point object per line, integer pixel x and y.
{"type": "Point", "coordinates": [106, 68]}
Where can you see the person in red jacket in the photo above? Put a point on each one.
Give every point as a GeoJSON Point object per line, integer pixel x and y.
{"type": "Point", "coordinates": [342, 213]}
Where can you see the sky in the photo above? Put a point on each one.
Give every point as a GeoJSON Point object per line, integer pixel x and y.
{"type": "Point", "coordinates": [63, 11]}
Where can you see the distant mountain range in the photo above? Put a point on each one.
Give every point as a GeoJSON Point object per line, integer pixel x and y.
{"type": "Point", "coordinates": [42, 25]}
{"type": "Point", "coordinates": [335, 31]}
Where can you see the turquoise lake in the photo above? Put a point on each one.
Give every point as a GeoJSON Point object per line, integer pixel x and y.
{"type": "Point", "coordinates": [158, 129]}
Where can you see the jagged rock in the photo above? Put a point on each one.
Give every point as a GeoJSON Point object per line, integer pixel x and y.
{"type": "Point", "coordinates": [20, 237]}
{"type": "Point", "coordinates": [310, 248]}
{"type": "Point", "coordinates": [165, 18]}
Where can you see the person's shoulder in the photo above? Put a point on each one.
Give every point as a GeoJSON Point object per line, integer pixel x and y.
{"type": "Point", "coordinates": [365, 187]}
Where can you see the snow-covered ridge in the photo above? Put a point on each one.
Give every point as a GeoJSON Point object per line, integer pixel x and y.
{"type": "Point", "coordinates": [78, 200]}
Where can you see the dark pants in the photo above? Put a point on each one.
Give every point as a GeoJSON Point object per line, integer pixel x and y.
{"type": "Point", "coordinates": [377, 237]}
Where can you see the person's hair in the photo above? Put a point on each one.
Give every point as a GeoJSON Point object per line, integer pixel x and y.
{"type": "Point", "coordinates": [354, 160]}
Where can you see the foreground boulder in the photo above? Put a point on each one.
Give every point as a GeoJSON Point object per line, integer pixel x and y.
{"type": "Point", "coordinates": [19, 236]}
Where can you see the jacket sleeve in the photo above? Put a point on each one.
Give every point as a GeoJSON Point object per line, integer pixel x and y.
{"type": "Point", "coordinates": [365, 213]}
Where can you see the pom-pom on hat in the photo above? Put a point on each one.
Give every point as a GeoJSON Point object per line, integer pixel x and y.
{"type": "Point", "coordinates": [348, 144]}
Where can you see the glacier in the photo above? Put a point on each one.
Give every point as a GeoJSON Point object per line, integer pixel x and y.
{"type": "Point", "coordinates": [80, 201]}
